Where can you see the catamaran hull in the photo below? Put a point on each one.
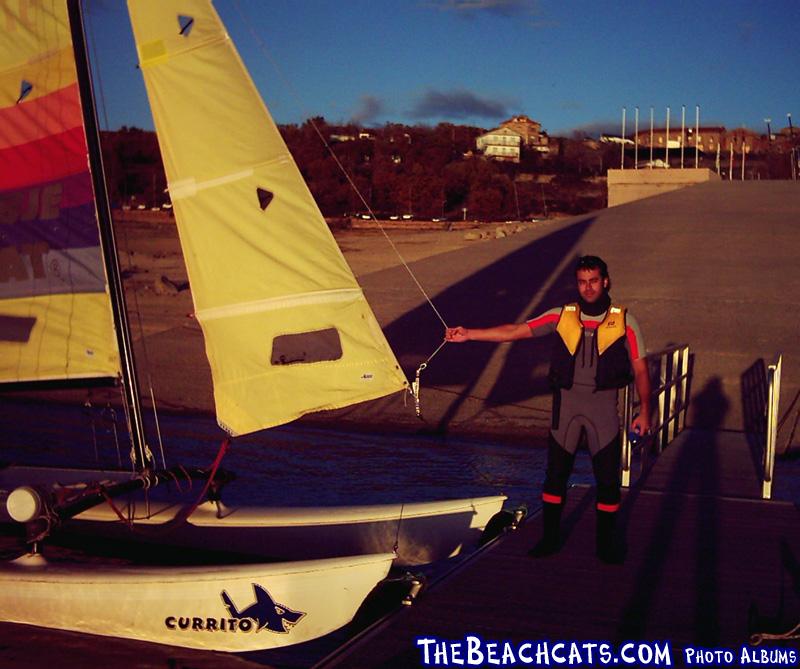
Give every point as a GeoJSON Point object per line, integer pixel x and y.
{"type": "Point", "coordinates": [422, 532]}
{"type": "Point", "coordinates": [234, 608]}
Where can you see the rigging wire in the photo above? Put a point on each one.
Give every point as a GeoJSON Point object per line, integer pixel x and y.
{"type": "Point", "coordinates": [295, 95]}
{"type": "Point", "coordinates": [93, 42]}
{"type": "Point", "coordinates": [97, 76]}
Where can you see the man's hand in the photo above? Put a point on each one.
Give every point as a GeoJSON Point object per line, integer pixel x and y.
{"type": "Point", "coordinates": [641, 424]}
{"type": "Point", "coordinates": [456, 335]}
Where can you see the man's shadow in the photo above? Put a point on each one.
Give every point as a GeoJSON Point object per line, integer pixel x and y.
{"type": "Point", "coordinates": [697, 461]}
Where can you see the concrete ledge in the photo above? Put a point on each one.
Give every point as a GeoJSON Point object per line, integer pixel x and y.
{"type": "Point", "coordinates": [628, 185]}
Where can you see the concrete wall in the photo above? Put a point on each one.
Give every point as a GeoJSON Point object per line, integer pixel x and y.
{"type": "Point", "coordinates": [628, 185]}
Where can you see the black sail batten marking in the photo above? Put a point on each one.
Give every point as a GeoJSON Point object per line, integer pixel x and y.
{"type": "Point", "coordinates": [264, 198]}
{"type": "Point", "coordinates": [25, 89]}
{"type": "Point", "coordinates": [186, 23]}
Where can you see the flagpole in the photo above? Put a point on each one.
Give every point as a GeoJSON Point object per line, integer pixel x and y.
{"type": "Point", "coordinates": [683, 131]}
{"type": "Point", "coordinates": [696, 136]}
{"type": "Point", "coordinates": [622, 143]}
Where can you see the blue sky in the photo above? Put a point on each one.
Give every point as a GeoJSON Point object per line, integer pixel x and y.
{"type": "Point", "coordinates": [571, 65]}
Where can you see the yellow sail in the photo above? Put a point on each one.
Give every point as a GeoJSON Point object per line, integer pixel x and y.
{"type": "Point", "coordinates": [286, 326]}
{"type": "Point", "coordinates": [55, 312]}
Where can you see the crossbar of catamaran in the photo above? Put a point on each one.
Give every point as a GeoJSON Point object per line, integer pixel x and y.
{"type": "Point", "coordinates": [287, 330]}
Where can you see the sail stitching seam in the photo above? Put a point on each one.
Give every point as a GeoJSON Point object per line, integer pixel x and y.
{"type": "Point", "coordinates": [337, 364]}
{"type": "Point", "coordinates": [272, 304]}
{"type": "Point", "coordinates": [185, 188]}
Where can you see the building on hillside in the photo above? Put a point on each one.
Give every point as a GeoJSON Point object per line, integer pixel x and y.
{"type": "Point", "coordinates": [500, 144]}
{"type": "Point", "coordinates": [744, 139]}
{"type": "Point", "coordinates": [786, 139]}
{"type": "Point", "coordinates": [513, 138]}
{"type": "Point", "coordinates": [531, 133]}
{"type": "Point", "coordinates": [707, 139]}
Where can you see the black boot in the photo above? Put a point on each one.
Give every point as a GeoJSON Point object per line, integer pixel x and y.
{"type": "Point", "coordinates": [550, 543]}
{"type": "Point", "coordinates": [608, 548]}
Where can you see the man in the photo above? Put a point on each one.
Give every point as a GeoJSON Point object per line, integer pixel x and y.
{"type": "Point", "coordinates": [598, 349]}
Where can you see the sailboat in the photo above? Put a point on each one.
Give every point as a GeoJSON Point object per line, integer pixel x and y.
{"type": "Point", "coordinates": [286, 333]}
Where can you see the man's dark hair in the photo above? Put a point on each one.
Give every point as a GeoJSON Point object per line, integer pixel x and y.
{"type": "Point", "coordinates": [592, 262]}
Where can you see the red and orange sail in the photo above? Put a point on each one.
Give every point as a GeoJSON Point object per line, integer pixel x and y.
{"type": "Point", "coordinates": [55, 313]}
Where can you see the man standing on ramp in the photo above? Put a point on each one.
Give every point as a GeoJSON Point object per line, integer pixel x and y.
{"type": "Point", "coordinates": [599, 349]}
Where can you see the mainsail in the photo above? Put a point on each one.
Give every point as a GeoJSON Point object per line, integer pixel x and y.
{"type": "Point", "coordinates": [55, 314]}
{"type": "Point", "coordinates": [287, 328]}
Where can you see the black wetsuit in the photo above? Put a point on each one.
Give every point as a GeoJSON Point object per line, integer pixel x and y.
{"type": "Point", "coordinates": [583, 411]}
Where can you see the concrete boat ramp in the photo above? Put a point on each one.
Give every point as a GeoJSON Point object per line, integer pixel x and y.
{"type": "Point", "coordinates": [707, 565]}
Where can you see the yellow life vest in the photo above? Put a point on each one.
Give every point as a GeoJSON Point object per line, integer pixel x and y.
{"type": "Point", "coordinates": [570, 327]}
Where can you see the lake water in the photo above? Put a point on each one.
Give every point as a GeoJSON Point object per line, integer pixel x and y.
{"type": "Point", "coordinates": [299, 465]}
{"type": "Point", "coordinates": [292, 465]}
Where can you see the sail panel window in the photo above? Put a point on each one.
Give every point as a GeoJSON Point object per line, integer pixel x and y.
{"type": "Point", "coordinates": [306, 347]}
{"type": "Point", "coordinates": [16, 328]}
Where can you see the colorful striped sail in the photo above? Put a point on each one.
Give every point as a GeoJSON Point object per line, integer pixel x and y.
{"type": "Point", "coordinates": [55, 312]}
{"type": "Point", "coordinates": [286, 326]}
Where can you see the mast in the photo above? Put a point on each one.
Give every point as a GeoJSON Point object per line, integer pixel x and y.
{"type": "Point", "coordinates": [107, 241]}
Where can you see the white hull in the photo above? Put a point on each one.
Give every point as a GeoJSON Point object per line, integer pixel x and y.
{"type": "Point", "coordinates": [185, 606]}
{"type": "Point", "coordinates": [428, 531]}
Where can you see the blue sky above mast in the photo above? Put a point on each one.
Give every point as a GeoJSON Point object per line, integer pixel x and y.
{"type": "Point", "coordinates": [570, 65]}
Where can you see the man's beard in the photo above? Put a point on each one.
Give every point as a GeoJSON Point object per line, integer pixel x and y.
{"type": "Point", "coordinates": [596, 308]}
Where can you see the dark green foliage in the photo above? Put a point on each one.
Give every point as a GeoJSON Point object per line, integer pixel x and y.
{"type": "Point", "coordinates": [429, 172]}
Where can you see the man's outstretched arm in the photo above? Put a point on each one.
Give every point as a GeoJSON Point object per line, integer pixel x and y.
{"type": "Point", "coordinates": [498, 333]}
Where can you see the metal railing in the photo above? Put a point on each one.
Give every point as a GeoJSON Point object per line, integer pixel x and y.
{"type": "Point", "coordinates": [671, 368]}
{"type": "Point", "coordinates": [773, 404]}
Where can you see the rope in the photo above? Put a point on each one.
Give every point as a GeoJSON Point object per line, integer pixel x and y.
{"type": "Point", "coordinates": [223, 449]}
{"type": "Point", "coordinates": [158, 423]}
{"type": "Point", "coordinates": [145, 358]}
{"type": "Point", "coordinates": [791, 433]}
{"type": "Point", "coordinates": [87, 410]}
{"type": "Point", "coordinates": [756, 639]}
{"type": "Point", "coordinates": [399, 523]}
{"type": "Point", "coordinates": [185, 513]}
{"type": "Point", "coordinates": [110, 416]}
{"type": "Point", "coordinates": [115, 508]}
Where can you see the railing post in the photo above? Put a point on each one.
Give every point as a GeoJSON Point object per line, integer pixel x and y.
{"type": "Point", "coordinates": [684, 388]}
{"type": "Point", "coordinates": [773, 404]}
{"type": "Point", "coordinates": [662, 408]}
{"type": "Point", "coordinates": [673, 396]}
{"type": "Point", "coordinates": [627, 403]}
{"type": "Point", "coordinates": [672, 399]}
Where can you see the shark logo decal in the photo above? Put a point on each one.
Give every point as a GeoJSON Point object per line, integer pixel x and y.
{"type": "Point", "coordinates": [266, 612]}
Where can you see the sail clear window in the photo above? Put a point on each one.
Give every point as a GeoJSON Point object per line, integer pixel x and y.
{"type": "Point", "coordinates": [306, 347]}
